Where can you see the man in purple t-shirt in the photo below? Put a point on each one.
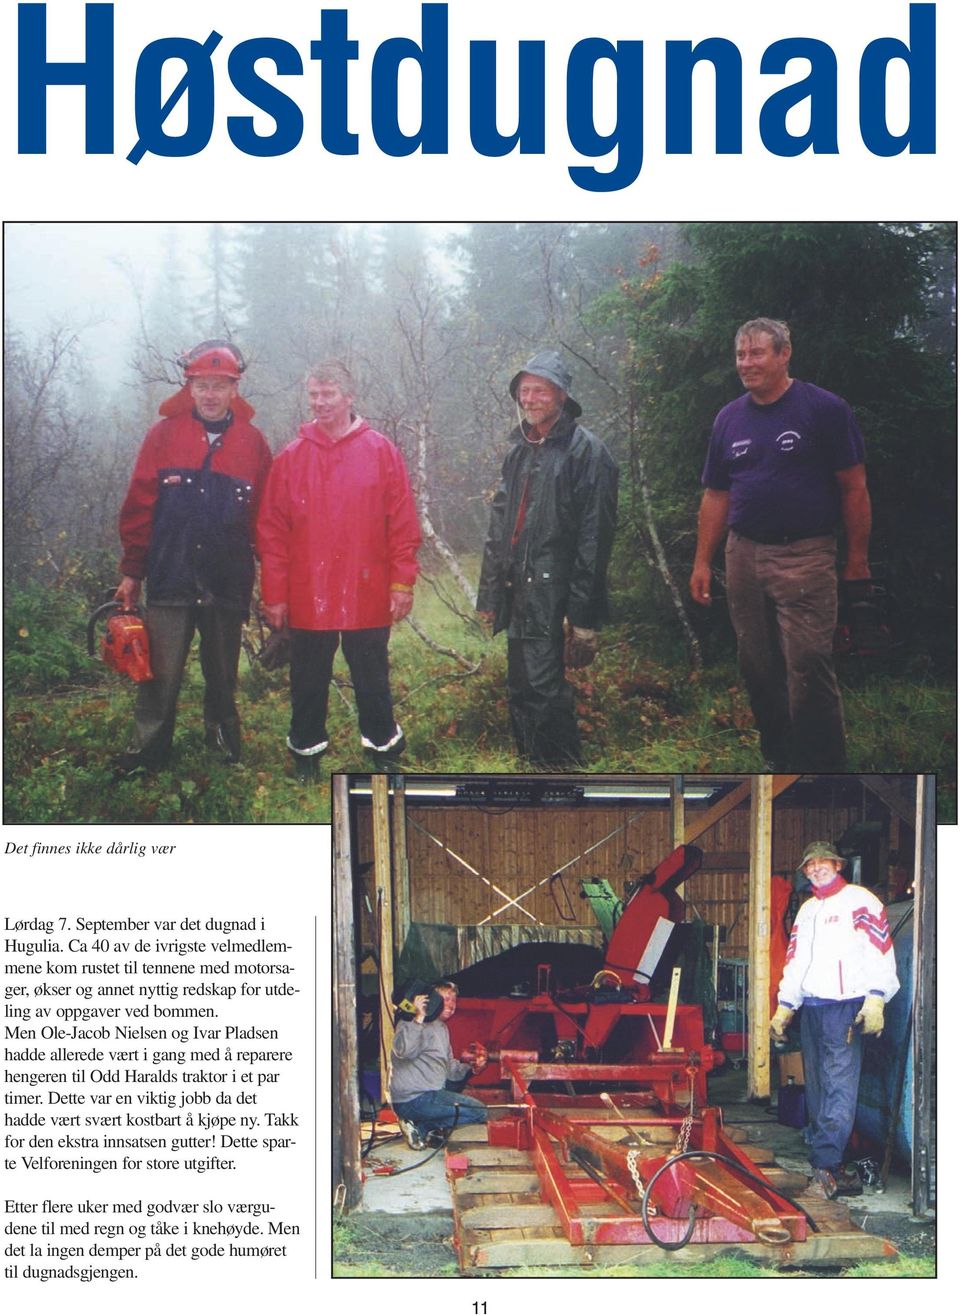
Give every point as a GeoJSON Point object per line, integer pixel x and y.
{"type": "Point", "coordinates": [784, 469]}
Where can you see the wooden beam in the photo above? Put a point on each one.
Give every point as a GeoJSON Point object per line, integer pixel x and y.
{"type": "Point", "coordinates": [677, 824]}
{"type": "Point", "coordinates": [758, 969]}
{"type": "Point", "coordinates": [704, 821]}
{"type": "Point", "coordinates": [346, 1115]}
{"type": "Point", "coordinates": [401, 866]}
{"type": "Point", "coordinates": [888, 794]}
{"type": "Point", "coordinates": [383, 910]}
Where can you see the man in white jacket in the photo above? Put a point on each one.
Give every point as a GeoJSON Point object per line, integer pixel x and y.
{"type": "Point", "coordinates": [840, 967]}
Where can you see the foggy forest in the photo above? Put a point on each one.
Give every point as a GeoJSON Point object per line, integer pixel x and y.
{"type": "Point", "coordinates": [433, 321]}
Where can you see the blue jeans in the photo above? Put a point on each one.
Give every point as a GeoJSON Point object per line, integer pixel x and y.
{"type": "Point", "coordinates": [831, 1072]}
{"type": "Point", "coordinates": [441, 1109]}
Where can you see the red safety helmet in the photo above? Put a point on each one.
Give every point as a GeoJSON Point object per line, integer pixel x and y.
{"type": "Point", "coordinates": [216, 356]}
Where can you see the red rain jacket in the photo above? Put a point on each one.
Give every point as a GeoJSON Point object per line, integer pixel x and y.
{"type": "Point", "coordinates": [337, 528]}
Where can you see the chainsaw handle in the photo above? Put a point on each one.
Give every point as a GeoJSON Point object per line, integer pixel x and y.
{"type": "Point", "coordinates": [112, 605]}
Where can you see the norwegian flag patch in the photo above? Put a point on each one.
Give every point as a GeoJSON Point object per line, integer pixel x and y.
{"type": "Point", "coordinates": [792, 945]}
{"type": "Point", "coordinates": [875, 927]}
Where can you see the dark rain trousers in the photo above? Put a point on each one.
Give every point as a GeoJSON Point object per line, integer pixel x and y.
{"type": "Point", "coordinates": [541, 702]}
{"type": "Point", "coordinates": [311, 668]}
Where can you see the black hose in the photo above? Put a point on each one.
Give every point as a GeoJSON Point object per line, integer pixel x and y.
{"type": "Point", "coordinates": [720, 1159]}
{"type": "Point", "coordinates": [365, 1150]}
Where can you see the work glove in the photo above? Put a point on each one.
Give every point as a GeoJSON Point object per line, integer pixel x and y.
{"type": "Point", "coordinates": [780, 1022]}
{"type": "Point", "coordinates": [580, 647]}
{"type": "Point", "coordinates": [871, 1015]}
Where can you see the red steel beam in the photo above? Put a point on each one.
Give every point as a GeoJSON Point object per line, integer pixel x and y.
{"type": "Point", "coordinates": [730, 1207]}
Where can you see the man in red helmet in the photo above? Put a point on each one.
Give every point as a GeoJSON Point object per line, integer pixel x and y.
{"type": "Point", "coordinates": [187, 528]}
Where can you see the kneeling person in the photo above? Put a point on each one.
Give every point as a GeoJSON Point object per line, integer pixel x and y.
{"type": "Point", "coordinates": [426, 1080]}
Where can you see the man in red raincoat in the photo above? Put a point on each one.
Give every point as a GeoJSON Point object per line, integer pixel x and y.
{"type": "Point", "coordinates": [187, 527]}
{"type": "Point", "coordinates": [338, 536]}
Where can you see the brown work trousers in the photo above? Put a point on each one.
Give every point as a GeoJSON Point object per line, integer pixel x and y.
{"type": "Point", "coordinates": [171, 631]}
{"type": "Point", "coordinates": [783, 605]}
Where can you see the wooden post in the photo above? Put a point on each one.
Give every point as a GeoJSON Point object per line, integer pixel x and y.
{"type": "Point", "coordinates": [758, 970]}
{"type": "Point", "coordinates": [677, 824]}
{"type": "Point", "coordinates": [347, 1183]}
{"type": "Point", "coordinates": [924, 998]}
{"type": "Point", "coordinates": [401, 866]}
{"type": "Point", "coordinates": [383, 909]}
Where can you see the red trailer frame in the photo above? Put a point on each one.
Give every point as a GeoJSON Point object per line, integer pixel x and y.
{"type": "Point", "coordinates": [704, 1189]}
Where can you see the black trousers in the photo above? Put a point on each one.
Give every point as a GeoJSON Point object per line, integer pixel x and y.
{"type": "Point", "coordinates": [541, 700]}
{"type": "Point", "coordinates": [171, 631]}
{"type": "Point", "coordinates": [311, 667]}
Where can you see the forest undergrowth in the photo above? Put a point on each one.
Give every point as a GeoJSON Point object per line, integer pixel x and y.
{"type": "Point", "coordinates": [640, 708]}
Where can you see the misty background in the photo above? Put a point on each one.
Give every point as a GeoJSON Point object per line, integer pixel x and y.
{"type": "Point", "coordinates": [433, 320]}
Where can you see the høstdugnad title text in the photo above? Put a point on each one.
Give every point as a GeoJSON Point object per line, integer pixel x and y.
{"type": "Point", "coordinates": [309, 104]}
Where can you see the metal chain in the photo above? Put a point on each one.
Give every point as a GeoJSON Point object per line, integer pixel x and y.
{"type": "Point", "coordinates": [632, 1157]}
{"type": "Point", "coordinates": [683, 1136]}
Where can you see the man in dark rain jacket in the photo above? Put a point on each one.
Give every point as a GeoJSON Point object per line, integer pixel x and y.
{"type": "Point", "coordinates": [544, 570]}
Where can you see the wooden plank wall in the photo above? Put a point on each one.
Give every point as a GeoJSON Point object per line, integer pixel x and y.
{"type": "Point", "coordinates": [518, 848]}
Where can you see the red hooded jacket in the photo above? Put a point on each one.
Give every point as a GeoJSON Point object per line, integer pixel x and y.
{"type": "Point", "coordinates": [337, 528]}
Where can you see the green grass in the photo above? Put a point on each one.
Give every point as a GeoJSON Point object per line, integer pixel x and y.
{"type": "Point", "coordinates": [362, 1252]}
{"type": "Point", "coordinates": [640, 707]}
{"type": "Point", "coordinates": [902, 1267]}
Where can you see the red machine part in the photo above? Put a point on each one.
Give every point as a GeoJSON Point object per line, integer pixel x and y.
{"type": "Point", "coordinates": [625, 1033]}
{"type": "Point", "coordinates": [651, 913]}
{"type": "Point", "coordinates": [709, 1192]}
{"type": "Point", "coordinates": [627, 1030]}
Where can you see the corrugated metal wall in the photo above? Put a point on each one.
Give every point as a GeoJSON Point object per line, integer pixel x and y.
{"type": "Point", "coordinates": [519, 848]}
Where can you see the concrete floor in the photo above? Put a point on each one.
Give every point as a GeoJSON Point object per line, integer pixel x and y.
{"type": "Point", "coordinates": [422, 1190]}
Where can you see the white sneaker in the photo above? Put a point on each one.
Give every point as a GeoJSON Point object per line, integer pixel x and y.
{"type": "Point", "coordinates": [411, 1134]}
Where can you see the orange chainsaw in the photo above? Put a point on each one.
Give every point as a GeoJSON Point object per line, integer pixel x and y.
{"type": "Point", "coordinates": [125, 645]}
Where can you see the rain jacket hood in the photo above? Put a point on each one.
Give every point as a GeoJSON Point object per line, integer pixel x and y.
{"type": "Point", "coordinates": [337, 529]}
{"type": "Point", "coordinates": [548, 364]}
{"type": "Point", "coordinates": [182, 401]}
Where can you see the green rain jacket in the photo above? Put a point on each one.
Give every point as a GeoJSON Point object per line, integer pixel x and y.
{"type": "Point", "coordinates": [558, 565]}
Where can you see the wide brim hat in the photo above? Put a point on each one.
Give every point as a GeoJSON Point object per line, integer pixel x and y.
{"type": "Point", "coordinates": [820, 849]}
{"type": "Point", "coordinates": [548, 364]}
